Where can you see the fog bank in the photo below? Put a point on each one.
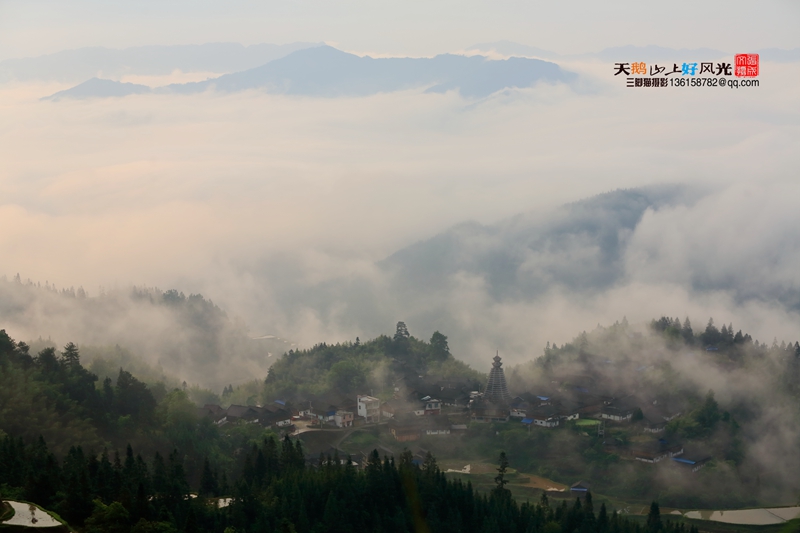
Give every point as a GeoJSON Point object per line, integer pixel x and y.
{"type": "Point", "coordinates": [280, 209]}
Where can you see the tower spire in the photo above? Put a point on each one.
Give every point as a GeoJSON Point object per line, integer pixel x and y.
{"type": "Point", "coordinates": [496, 387]}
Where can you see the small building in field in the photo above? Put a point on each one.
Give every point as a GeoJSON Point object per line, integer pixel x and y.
{"type": "Point", "coordinates": [343, 419]}
{"type": "Point", "coordinates": [437, 425]}
{"type": "Point", "coordinates": [432, 406]}
{"type": "Point", "coordinates": [579, 489]}
{"type": "Point", "coordinates": [212, 411]}
{"type": "Point", "coordinates": [656, 414]}
{"type": "Point", "coordinates": [323, 407]}
{"type": "Point", "coordinates": [392, 408]}
{"type": "Point", "coordinates": [545, 416]}
{"type": "Point", "coordinates": [621, 409]}
{"type": "Point", "coordinates": [657, 451]}
{"type": "Point", "coordinates": [691, 464]}
{"type": "Point", "coordinates": [274, 415]}
{"type": "Point", "coordinates": [236, 413]}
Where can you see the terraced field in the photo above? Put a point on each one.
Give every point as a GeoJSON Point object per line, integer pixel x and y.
{"type": "Point", "coordinates": [29, 516]}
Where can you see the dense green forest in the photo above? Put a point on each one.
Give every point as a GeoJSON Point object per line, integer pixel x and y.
{"type": "Point", "coordinates": [51, 395]}
{"type": "Point", "coordinates": [356, 367]}
{"type": "Point", "coordinates": [276, 491]}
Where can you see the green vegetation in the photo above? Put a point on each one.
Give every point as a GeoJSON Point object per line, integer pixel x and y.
{"type": "Point", "coordinates": [670, 365]}
{"type": "Point", "coordinates": [274, 490]}
{"type": "Point", "coordinates": [792, 526]}
{"type": "Point", "coordinates": [60, 425]}
{"type": "Point", "coordinates": [625, 361]}
{"type": "Point", "coordinates": [270, 484]}
{"type": "Point", "coordinates": [52, 398]}
{"type": "Point", "coordinates": [6, 511]}
{"type": "Point", "coordinates": [355, 367]}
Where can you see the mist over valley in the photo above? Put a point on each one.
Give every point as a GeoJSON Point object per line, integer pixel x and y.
{"type": "Point", "coordinates": [399, 267]}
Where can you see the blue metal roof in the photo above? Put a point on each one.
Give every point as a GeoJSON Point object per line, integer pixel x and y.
{"type": "Point", "coordinates": [527, 420]}
{"type": "Point", "coordinates": [684, 461]}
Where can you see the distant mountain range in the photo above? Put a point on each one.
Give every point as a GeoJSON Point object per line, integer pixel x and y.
{"type": "Point", "coordinates": [326, 71]}
{"type": "Point", "coordinates": [314, 69]}
{"type": "Point", "coordinates": [74, 66]}
{"type": "Point", "coordinates": [83, 63]}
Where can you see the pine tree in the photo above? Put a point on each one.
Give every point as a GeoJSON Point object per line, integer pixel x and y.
{"type": "Point", "coordinates": [429, 466]}
{"type": "Point", "coordinates": [686, 331]}
{"type": "Point", "coordinates": [401, 331]}
{"type": "Point", "coordinates": [654, 518]}
{"type": "Point", "coordinates": [208, 482]}
{"type": "Point", "coordinates": [70, 357]}
{"type": "Point", "coordinates": [439, 348]}
{"type": "Point", "coordinates": [602, 519]}
{"type": "Point", "coordinates": [500, 479]}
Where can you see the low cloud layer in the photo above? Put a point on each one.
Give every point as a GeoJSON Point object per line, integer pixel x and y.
{"type": "Point", "coordinates": [280, 208]}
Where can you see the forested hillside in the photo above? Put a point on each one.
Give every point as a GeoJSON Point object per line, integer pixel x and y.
{"type": "Point", "coordinates": [184, 474]}
{"type": "Point", "coordinates": [274, 490]}
{"type": "Point", "coordinates": [732, 403]}
{"type": "Point", "coordinates": [161, 333]}
{"type": "Point", "coordinates": [51, 395]}
{"type": "Point", "coordinates": [358, 368]}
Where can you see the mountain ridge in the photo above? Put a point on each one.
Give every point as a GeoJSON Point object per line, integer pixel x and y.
{"type": "Point", "coordinates": [96, 61]}
{"type": "Point", "coordinates": [328, 72]}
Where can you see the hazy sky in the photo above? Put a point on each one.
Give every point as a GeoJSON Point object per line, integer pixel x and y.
{"type": "Point", "coordinates": [223, 194]}
{"type": "Point", "coordinates": [414, 27]}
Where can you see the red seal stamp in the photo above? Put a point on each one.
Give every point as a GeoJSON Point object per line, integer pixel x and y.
{"type": "Point", "coordinates": [746, 65]}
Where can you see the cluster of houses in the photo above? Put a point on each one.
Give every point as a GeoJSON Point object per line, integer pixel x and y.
{"type": "Point", "coordinates": [417, 409]}
{"type": "Point", "coordinates": [574, 402]}
{"type": "Point", "coordinates": [552, 409]}
{"type": "Point", "coordinates": [277, 415]}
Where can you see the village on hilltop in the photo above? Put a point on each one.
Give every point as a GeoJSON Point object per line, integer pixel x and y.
{"type": "Point", "coordinates": [420, 408]}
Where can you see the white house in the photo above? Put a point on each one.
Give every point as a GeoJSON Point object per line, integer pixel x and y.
{"type": "Point", "coordinates": [369, 408]}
